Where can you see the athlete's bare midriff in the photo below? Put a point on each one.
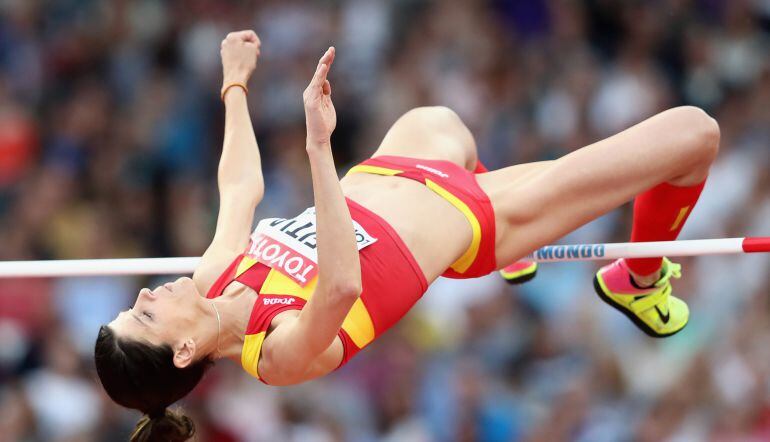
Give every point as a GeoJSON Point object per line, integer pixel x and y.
{"type": "Point", "coordinates": [434, 231]}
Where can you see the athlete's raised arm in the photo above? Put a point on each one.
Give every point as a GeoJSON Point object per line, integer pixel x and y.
{"type": "Point", "coordinates": [339, 270]}
{"type": "Point", "coordinates": [295, 345]}
{"type": "Point", "coordinates": [239, 176]}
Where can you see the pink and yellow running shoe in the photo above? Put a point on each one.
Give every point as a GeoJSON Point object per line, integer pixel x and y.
{"type": "Point", "coordinates": [519, 272]}
{"type": "Point", "coordinates": [654, 310]}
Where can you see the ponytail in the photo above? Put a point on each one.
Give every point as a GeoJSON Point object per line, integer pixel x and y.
{"type": "Point", "coordinates": [165, 426]}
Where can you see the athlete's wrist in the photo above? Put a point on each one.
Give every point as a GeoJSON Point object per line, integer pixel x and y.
{"type": "Point", "coordinates": [237, 76]}
{"type": "Point", "coordinates": [229, 89]}
{"type": "Point", "coordinates": [318, 145]}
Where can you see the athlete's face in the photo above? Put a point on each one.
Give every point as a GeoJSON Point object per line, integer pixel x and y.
{"type": "Point", "coordinates": [166, 315]}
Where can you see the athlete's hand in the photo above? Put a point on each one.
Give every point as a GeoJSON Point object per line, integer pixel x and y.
{"type": "Point", "coordinates": [239, 51]}
{"type": "Point", "coordinates": [320, 116]}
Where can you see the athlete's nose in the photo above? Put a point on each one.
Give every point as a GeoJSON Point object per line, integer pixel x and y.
{"type": "Point", "coordinates": [147, 293]}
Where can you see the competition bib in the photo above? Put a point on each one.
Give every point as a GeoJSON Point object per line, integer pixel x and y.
{"type": "Point", "coordinates": [289, 245]}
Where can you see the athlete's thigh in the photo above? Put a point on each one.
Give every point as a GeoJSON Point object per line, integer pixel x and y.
{"type": "Point", "coordinates": [504, 187]}
{"type": "Point", "coordinates": [431, 133]}
{"type": "Point", "coordinates": [538, 204]}
{"type": "Point", "coordinates": [534, 206]}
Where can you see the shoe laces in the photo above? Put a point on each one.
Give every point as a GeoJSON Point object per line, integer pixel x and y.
{"type": "Point", "coordinates": [670, 270]}
{"type": "Point", "coordinates": [660, 296]}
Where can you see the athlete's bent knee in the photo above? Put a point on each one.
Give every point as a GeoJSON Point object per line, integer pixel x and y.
{"type": "Point", "coordinates": [701, 134]}
{"type": "Point", "coordinates": [441, 116]}
{"type": "Point", "coordinates": [445, 122]}
{"type": "Point", "coordinates": [708, 139]}
{"type": "Point", "coordinates": [710, 136]}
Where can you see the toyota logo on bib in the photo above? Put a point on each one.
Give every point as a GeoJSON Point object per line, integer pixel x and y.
{"type": "Point", "coordinates": [289, 245]}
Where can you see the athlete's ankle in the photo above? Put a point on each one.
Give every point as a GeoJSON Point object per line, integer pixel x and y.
{"type": "Point", "coordinates": [645, 281]}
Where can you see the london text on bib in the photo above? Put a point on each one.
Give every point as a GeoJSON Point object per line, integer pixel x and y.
{"type": "Point", "coordinates": [289, 245]}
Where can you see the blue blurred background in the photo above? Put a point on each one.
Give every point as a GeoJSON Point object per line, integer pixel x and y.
{"type": "Point", "coordinates": [110, 131]}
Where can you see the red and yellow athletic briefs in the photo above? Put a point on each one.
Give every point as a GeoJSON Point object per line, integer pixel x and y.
{"type": "Point", "coordinates": [392, 281]}
{"type": "Point", "coordinates": [459, 187]}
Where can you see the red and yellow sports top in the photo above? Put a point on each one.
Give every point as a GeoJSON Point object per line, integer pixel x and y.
{"type": "Point", "coordinates": [280, 266]}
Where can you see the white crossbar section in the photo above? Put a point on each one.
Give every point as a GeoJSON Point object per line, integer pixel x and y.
{"type": "Point", "coordinates": [609, 251]}
{"type": "Point", "coordinates": [555, 253]}
{"type": "Point", "coordinates": [95, 267]}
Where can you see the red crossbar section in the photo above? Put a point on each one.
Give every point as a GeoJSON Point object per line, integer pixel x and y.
{"type": "Point", "coordinates": [758, 244]}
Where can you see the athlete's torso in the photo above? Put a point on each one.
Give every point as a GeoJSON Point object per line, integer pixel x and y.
{"type": "Point", "coordinates": [280, 265]}
{"type": "Point", "coordinates": [435, 231]}
{"type": "Point", "coordinates": [422, 235]}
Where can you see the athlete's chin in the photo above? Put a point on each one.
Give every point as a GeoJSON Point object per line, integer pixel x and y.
{"type": "Point", "coordinates": [185, 287]}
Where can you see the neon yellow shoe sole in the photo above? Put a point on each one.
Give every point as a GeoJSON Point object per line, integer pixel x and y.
{"type": "Point", "coordinates": [519, 272]}
{"type": "Point", "coordinates": [654, 310]}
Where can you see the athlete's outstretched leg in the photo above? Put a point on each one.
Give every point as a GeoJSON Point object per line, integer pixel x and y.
{"type": "Point", "coordinates": [665, 159]}
{"type": "Point", "coordinates": [538, 204]}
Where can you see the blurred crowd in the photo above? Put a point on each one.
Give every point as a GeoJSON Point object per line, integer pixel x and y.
{"type": "Point", "coordinates": [110, 131]}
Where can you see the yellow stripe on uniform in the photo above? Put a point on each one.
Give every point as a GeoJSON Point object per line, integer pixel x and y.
{"type": "Point", "coordinates": [679, 218]}
{"type": "Point", "coordinates": [465, 261]}
{"type": "Point", "coordinates": [246, 263]}
{"type": "Point", "coordinates": [376, 170]}
{"type": "Point", "coordinates": [252, 345]}
{"type": "Point", "coordinates": [277, 283]}
{"type": "Point", "coordinates": [358, 323]}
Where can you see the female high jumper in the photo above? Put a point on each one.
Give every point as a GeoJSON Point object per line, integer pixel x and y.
{"type": "Point", "coordinates": [297, 298]}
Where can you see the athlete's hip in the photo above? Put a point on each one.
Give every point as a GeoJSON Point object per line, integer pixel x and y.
{"type": "Point", "coordinates": [459, 188]}
{"type": "Point", "coordinates": [432, 229]}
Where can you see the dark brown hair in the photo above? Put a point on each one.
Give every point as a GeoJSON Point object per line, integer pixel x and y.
{"type": "Point", "coordinates": [143, 376]}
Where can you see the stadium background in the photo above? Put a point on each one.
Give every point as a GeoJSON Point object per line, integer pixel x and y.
{"type": "Point", "coordinates": [110, 129]}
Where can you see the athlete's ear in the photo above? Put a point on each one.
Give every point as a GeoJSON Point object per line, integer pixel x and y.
{"type": "Point", "coordinates": [184, 353]}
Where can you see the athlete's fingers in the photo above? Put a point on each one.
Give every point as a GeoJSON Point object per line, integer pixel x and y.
{"type": "Point", "coordinates": [319, 84]}
{"type": "Point", "coordinates": [329, 55]}
{"type": "Point", "coordinates": [314, 89]}
{"type": "Point", "coordinates": [246, 35]}
{"type": "Point", "coordinates": [251, 37]}
{"type": "Point", "coordinates": [320, 76]}
{"type": "Point", "coordinates": [253, 46]}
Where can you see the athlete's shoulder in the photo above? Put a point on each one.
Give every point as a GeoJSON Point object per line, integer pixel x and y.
{"type": "Point", "coordinates": [213, 271]}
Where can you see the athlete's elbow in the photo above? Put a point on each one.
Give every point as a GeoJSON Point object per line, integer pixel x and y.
{"type": "Point", "coordinates": [347, 290]}
{"type": "Point", "coordinates": [252, 189]}
{"type": "Point", "coordinates": [340, 289]}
